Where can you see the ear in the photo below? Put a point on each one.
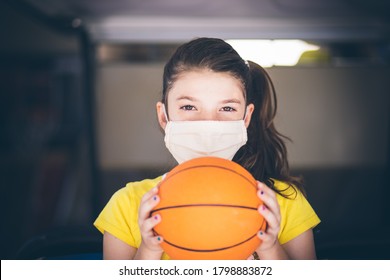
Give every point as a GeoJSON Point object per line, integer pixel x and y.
{"type": "Point", "coordinates": [249, 110]}
{"type": "Point", "coordinates": [162, 119]}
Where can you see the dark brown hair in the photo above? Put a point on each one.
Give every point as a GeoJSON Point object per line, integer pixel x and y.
{"type": "Point", "coordinates": [265, 154]}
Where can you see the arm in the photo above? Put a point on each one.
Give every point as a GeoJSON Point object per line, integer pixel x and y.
{"type": "Point", "coordinates": [115, 249]}
{"type": "Point", "coordinates": [301, 247]}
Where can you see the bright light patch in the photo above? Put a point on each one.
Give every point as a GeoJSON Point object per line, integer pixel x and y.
{"type": "Point", "coordinates": [268, 53]}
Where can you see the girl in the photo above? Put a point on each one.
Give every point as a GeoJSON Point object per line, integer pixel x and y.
{"type": "Point", "coordinates": [214, 103]}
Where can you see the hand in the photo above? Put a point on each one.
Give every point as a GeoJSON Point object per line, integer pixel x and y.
{"type": "Point", "coordinates": [271, 212]}
{"type": "Point", "coordinates": [147, 223]}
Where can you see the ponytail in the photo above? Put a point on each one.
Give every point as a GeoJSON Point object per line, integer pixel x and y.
{"type": "Point", "coordinates": [265, 154]}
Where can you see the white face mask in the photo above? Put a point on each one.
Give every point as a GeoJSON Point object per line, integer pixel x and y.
{"type": "Point", "coordinates": [192, 139]}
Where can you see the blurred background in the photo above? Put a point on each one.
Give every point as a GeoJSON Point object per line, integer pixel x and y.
{"type": "Point", "coordinates": [78, 85]}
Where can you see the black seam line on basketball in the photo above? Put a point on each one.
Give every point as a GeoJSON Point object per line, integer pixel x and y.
{"type": "Point", "coordinates": [209, 165]}
{"type": "Point", "coordinates": [207, 250]}
{"type": "Point", "coordinates": [200, 205]}
{"type": "Point", "coordinates": [210, 250]}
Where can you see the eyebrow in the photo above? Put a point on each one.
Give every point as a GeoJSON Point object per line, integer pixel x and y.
{"type": "Point", "coordinates": [234, 100]}
{"type": "Point", "coordinates": [190, 98]}
{"type": "Point", "coordinates": [185, 97]}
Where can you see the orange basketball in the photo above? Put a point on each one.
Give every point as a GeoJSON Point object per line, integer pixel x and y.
{"type": "Point", "coordinates": [208, 209]}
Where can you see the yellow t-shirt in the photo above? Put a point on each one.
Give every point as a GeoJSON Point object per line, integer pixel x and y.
{"type": "Point", "coordinates": [120, 216]}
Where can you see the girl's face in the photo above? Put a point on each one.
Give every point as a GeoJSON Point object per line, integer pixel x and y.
{"type": "Point", "coordinates": [205, 95]}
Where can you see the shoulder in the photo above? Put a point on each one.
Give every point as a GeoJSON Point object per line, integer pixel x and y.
{"type": "Point", "coordinates": [289, 195]}
{"type": "Point", "coordinates": [297, 215]}
{"type": "Point", "coordinates": [135, 190]}
{"type": "Point", "coordinates": [119, 215]}
{"type": "Point", "coordinates": [287, 190]}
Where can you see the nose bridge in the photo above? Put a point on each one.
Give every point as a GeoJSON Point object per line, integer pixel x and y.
{"type": "Point", "coordinates": [208, 114]}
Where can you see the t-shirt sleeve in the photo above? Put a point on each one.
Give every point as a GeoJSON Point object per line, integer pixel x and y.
{"type": "Point", "coordinates": [117, 219]}
{"type": "Point", "coordinates": [297, 217]}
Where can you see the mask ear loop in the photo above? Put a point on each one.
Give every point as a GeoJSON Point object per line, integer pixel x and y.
{"type": "Point", "coordinates": [246, 108]}
{"type": "Point", "coordinates": [246, 112]}
{"type": "Point", "coordinates": [246, 94]}
{"type": "Point", "coordinates": [165, 113]}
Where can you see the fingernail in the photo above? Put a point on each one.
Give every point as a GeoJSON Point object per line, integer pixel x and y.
{"type": "Point", "coordinates": [156, 217]}
{"type": "Point", "coordinates": [159, 238]}
{"type": "Point", "coordinates": [155, 197]}
{"type": "Point", "coordinates": [261, 233]}
{"type": "Point", "coordinates": [263, 207]}
{"type": "Point", "coordinates": [261, 192]}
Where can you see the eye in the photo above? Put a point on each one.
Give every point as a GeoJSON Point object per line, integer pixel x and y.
{"type": "Point", "coordinates": [188, 108]}
{"type": "Point", "coordinates": [228, 109]}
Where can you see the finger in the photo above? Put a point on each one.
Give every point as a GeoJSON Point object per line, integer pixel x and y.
{"type": "Point", "coordinates": [150, 193]}
{"type": "Point", "coordinates": [271, 203]}
{"type": "Point", "coordinates": [153, 242]}
{"type": "Point", "coordinates": [273, 221]}
{"type": "Point", "coordinates": [268, 239]}
{"type": "Point", "coordinates": [146, 207]}
{"type": "Point", "coordinates": [156, 240]}
{"type": "Point", "coordinates": [264, 189]}
{"type": "Point", "coordinates": [147, 226]}
{"type": "Point", "coordinates": [268, 196]}
{"type": "Point", "coordinates": [261, 235]}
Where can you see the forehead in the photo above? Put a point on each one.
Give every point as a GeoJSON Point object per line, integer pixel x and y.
{"type": "Point", "coordinates": [207, 82]}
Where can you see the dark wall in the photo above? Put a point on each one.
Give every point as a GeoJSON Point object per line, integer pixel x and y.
{"type": "Point", "coordinates": [43, 146]}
